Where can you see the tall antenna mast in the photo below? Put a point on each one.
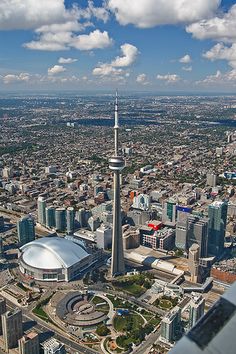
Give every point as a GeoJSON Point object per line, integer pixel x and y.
{"type": "Point", "coordinates": [116, 126]}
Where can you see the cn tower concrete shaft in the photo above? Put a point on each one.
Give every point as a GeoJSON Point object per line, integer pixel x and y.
{"type": "Point", "coordinates": [117, 260]}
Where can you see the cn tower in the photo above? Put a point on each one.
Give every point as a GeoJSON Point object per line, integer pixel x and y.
{"type": "Point", "coordinates": [116, 164]}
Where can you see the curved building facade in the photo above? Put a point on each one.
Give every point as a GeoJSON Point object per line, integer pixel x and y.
{"type": "Point", "coordinates": [60, 218]}
{"type": "Point", "coordinates": [53, 259]}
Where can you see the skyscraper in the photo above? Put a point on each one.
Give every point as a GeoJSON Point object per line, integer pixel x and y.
{"type": "Point", "coordinates": [29, 343]}
{"type": "Point", "coordinates": [197, 305]}
{"type": "Point", "coordinates": [50, 217]}
{"type": "Point", "coordinates": [104, 237]}
{"type": "Point", "coordinates": [41, 210]}
{"type": "Point", "coordinates": [1, 223]}
{"type": "Point", "coordinates": [60, 216]}
{"type": "Point", "coordinates": [25, 230]}
{"type": "Point", "coordinates": [197, 232]}
{"type": "Point", "coordinates": [70, 220]}
{"type": "Point", "coordinates": [170, 325]}
{"type": "Point", "coordinates": [193, 262]}
{"type": "Point", "coordinates": [12, 328]}
{"type": "Point", "coordinates": [181, 230]}
{"type": "Point", "coordinates": [217, 214]}
{"type": "Point", "coordinates": [116, 164]}
{"type": "Point", "coordinates": [169, 213]}
{"type": "Point", "coordinates": [3, 309]}
{"type": "Point", "coordinates": [1, 246]}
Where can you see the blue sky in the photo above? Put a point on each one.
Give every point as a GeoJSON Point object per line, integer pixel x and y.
{"type": "Point", "coordinates": [153, 45]}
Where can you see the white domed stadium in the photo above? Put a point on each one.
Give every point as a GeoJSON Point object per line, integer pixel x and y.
{"type": "Point", "coordinates": [53, 259]}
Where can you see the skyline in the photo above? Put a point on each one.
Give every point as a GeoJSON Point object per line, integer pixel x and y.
{"type": "Point", "coordinates": [84, 45]}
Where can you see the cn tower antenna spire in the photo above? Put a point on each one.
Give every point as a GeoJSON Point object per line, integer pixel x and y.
{"type": "Point", "coordinates": [116, 126]}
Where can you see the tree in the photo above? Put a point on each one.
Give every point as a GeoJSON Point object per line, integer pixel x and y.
{"type": "Point", "coordinates": [102, 330]}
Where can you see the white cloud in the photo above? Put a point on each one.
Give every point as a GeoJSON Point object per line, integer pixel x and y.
{"type": "Point", "coordinates": [186, 59]}
{"type": "Point", "coordinates": [169, 78]}
{"type": "Point", "coordinates": [107, 70]}
{"type": "Point", "coordinates": [113, 69]}
{"type": "Point", "coordinates": [150, 13]}
{"type": "Point", "coordinates": [99, 12]}
{"type": "Point", "coordinates": [142, 79]}
{"type": "Point", "coordinates": [129, 52]}
{"type": "Point", "coordinates": [56, 26]}
{"type": "Point", "coordinates": [53, 41]}
{"type": "Point", "coordinates": [12, 78]}
{"type": "Point", "coordinates": [187, 68]}
{"type": "Point", "coordinates": [68, 26]}
{"type": "Point", "coordinates": [227, 79]}
{"type": "Point", "coordinates": [222, 52]}
{"type": "Point", "coordinates": [56, 69]}
{"type": "Point", "coordinates": [93, 40]}
{"type": "Point", "coordinates": [221, 28]}
{"type": "Point", "coordinates": [30, 14]}
{"type": "Point", "coordinates": [66, 60]}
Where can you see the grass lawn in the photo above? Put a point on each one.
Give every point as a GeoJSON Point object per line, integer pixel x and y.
{"type": "Point", "coordinates": [98, 300]}
{"type": "Point", "coordinates": [119, 303]}
{"type": "Point", "coordinates": [147, 315]}
{"type": "Point", "coordinates": [120, 322]}
{"type": "Point", "coordinates": [124, 342]}
{"type": "Point", "coordinates": [38, 311]}
{"type": "Point", "coordinates": [165, 304]}
{"type": "Point", "coordinates": [133, 289]}
{"type": "Point", "coordinates": [155, 321]}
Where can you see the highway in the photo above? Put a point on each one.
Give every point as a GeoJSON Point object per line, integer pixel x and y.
{"type": "Point", "coordinates": [149, 341]}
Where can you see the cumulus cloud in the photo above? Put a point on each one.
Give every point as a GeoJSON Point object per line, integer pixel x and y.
{"type": "Point", "coordinates": [100, 13]}
{"type": "Point", "coordinates": [150, 13]}
{"type": "Point", "coordinates": [129, 55]}
{"type": "Point", "coordinates": [56, 69]}
{"type": "Point", "coordinates": [56, 26]}
{"type": "Point", "coordinates": [222, 52]}
{"type": "Point", "coordinates": [224, 79]}
{"type": "Point", "coordinates": [12, 78]}
{"type": "Point", "coordinates": [66, 60]}
{"type": "Point", "coordinates": [31, 14]}
{"type": "Point", "coordinates": [93, 40]}
{"type": "Point", "coordinates": [53, 41]}
{"type": "Point", "coordinates": [107, 70]}
{"type": "Point", "coordinates": [142, 79]}
{"type": "Point", "coordinates": [169, 78]}
{"type": "Point", "coordinates": [186, 59]}
{"type": "Point", "coordinates": [221, 27]}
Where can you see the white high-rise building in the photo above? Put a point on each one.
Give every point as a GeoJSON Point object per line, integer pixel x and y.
{"type": "Point", "coordinates": [197, 305]}
{"type": "Point", "coordinates": [41, 210]}
{"type": "Point", "coordinates": [142, 202]}
{"type": "Point", "coordinates": [104, 237]}
{"type": "Point", "coordinates": [170, 325]}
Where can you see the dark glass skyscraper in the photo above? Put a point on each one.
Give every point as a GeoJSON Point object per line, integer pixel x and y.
{"type": "Point", "coordinates": [26, 230]}
{"type": "Point", "coordinates": [217, 213]}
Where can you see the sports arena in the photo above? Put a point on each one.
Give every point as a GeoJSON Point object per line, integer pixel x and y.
{"type": "Point", "coordinates": [53, 259]}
